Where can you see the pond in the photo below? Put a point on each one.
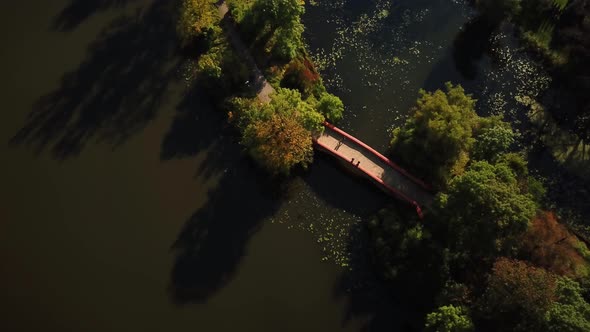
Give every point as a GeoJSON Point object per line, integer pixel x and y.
{"type": "Point", "coordinates": [129, 206]}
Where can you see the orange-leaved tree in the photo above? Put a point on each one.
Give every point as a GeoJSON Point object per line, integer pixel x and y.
{"type": "Point", "coordinates": [549, 244]}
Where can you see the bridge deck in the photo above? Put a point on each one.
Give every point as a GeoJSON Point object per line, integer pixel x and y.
{"type": "Point", "coordinates": [392, 178]}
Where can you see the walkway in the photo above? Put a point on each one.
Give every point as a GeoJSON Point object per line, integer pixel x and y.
{"type": "Point", "coordinates": [387, 175]}
{"type": "Point", "coordinates": [263, 88]}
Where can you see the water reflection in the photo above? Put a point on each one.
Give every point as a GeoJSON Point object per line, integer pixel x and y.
{"type": "Point", "coordinates": [115, 92]}
{"type": "Point", "coordinates": [79, 11]}
{"type": "Point", "coordinates": [213, 240]}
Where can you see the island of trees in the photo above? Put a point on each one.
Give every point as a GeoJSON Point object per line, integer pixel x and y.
{"type": "Point", "coordinates": [489, 254]}
{"type": "Point", "coordinates": [277, 134]}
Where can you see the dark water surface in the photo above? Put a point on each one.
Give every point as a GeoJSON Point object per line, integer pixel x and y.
{"type": "Point", "coordinates": [128, 206]}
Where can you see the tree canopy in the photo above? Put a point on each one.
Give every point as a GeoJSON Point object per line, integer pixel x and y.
{"type": "Point", "coordinates": [548, 244]}
{"type": "Point", "coordinates": [331, 107]}
{"type": "Point", "coordinates": [518, 295]}
{"type": "Point", "coordinates": [449, 319]}
{"type": "Point", "coordinates": [283, 19]}
{"type": "Point", "coordinates": [570, 312]}
{"type": "Point", "coordinates": [278, 143]}
{"type": "Point", "coordinates": [278, 134]}
{"type": "Point", "coordinates": [437, 138]}
{"type": "Point", "coordinates": [197, 17]}
{"type": "Point", "coordinates": [485, 210]}
{"type": "Point", "coordinates": [493, 138]}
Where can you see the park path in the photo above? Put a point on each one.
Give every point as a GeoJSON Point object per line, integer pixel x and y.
{"type": "Point", "coordinates": [263, 88]}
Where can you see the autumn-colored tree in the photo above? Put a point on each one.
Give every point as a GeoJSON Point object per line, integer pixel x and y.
{"type": "Point", "coordinates": [549, 244]}
{"type": "Point", "coordinates": [278, 134]}
{"type": "Point", "coordinates": [517, 296]}
{"type": "Point", "coordinates": [302, 75]}
{"type": "Point", "coordinates": [278, 143]}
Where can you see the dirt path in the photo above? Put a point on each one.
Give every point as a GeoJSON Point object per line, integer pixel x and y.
{"type": "Point", "coordinates": [263, 88]}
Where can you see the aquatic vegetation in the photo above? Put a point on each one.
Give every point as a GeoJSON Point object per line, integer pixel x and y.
{"type": "Point", "coordinates": [331, 227]}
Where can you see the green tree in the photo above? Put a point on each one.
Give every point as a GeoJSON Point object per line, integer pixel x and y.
{"type": "Point", "coordinates": [485, 211]}
{"type": "Point", "coordinates": [449, 319]}
{"type": "Point", "coordinates": [279, 13]}
{"type": "Point", "coordinates": [331, 107]}
{"type": "Point", "coordinates": [570, 313]}
{"type": "Point", "coordinates": [493, 138]}
{"type": "Point", "coordinates": [283, 19]}
{"type": "Point", "coordinates": [288, 41]}
{"type": "Point", "coordinates": [436, 140]}
{"type": "Point", "coordinates": [197, 18]}
{"type": "Point", "coordinates": [290, 103]}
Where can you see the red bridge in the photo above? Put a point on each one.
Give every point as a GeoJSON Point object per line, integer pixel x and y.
{"type": "Point", "coordinates": [383, 172]}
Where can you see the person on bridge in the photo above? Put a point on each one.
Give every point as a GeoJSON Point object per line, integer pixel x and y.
{"type": "Point", "coordinates": [358, 163]}
{"type": "Point", "coordinates": [352, 161]}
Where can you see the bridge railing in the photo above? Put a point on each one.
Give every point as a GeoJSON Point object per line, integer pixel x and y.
{"type": "Point", "coordinates": [379, 155]}
{"type": "Point", "coordinates": [389, 188]}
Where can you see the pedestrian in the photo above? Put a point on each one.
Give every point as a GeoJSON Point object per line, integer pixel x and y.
{"type": "Point", "coordinates": [352, 161]}
{"type": "Point", "coordinates": [358, 163]}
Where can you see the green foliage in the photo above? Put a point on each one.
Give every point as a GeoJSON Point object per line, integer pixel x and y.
{"type": "Point", "coordinates": [485, 210]}
{"type": "Point", "coordinates": [279, 13]}
{"type": "Point", "coordinates": [570, 313]}
{"type": "Point", "coordinates": [209, 66]}
{"type": "Point", "coordinates": [283, 19]}
{"type": "Point", "coordinates": [449, 319]}
{"type": "Point", "coordinates": [402, 246]}
{"type": "Point", "coordinates": [290, 103]}
{"type": "Point", "coordinates": [278, 134]}
{"type": "Point", "coordinates": [493, 138]}
{"type": "Point", "coordinates": [197, 18]}
{"type": "Point", "coordinates": [288, 41]}
{"type": "Point", "coordinates": [437, 138]}
{"type": "Point", "coordinates": [240, 9]}
{"type": "Point", "coordinates": [331, 107]}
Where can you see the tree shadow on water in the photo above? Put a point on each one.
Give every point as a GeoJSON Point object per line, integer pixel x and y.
{"type": "Point", "coordinates": [369, 298]}
{"type": "Point", "coordinates": [80, 10]}
{"type": "Point", "coordinates": [342, 188]}
{"type": "Point", "coordinates": [115, 92]}
{"type": "Point", "coordinates": [213, 241]}
{"type": "Point", "coordinates": [198, 126]}
{"type": "Point", "coordinates": [472, 43]}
